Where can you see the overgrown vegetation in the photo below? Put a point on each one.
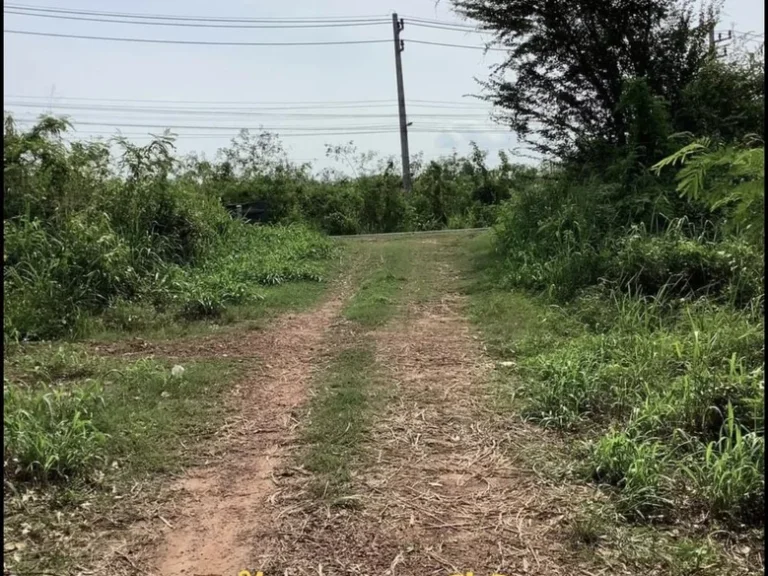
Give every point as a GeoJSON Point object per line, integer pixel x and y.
{"type": "Point", "coordinates": [80, 430]}
{"type": "Point", "coordinates": [88, 234]}
{"type": "Point", "coordinates": [646, 240]}
{"type": "Point", "coordinates": [98, 245]}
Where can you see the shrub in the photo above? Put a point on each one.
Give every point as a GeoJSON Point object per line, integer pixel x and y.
{"type": "Point", "coordinates": [685, 266]}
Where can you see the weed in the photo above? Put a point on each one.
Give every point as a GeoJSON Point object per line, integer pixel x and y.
{"type": "Point", "coordinates": [634, 466]}
{"type": "Point", "coordinates": [729, 473]}
{"type": "Point", "coordinates": [50, 435]}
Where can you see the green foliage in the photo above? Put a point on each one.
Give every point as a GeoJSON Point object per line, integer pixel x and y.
{"type": "Point", "coordinates": [682, 265]}
{"type": "Point", "coordinates": [729, 179]}
{"type": "Point", "coordinates": [50, 434]}
{"type": "Point", "coordinates": [730, 477]}
{"type": "Point", "coordinates": [81, 238]}
{"type": "Point", "coordinates": [634, 467]}
{"type": "Point", "coordinates": [667, 370]}
{"type": "Point", "coordinates": [726, 99]}
{"type": "Point", "coordinates": [69, 417]}
{"type": "Point", "coordinates": [563, 77]}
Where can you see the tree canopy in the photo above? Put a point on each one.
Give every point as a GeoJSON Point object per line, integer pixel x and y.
{"type": "Point", "coordinates": [568, 61]}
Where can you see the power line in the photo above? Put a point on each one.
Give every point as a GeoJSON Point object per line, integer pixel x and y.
{"type": "Point", "coordinates": [194, 42]}
{"type": "Point", "coordinates": [311, 19]}
{"type": "Point", "coordinates": [264, 104]}
{"type": "Point", "coordinates": [417, 19]}
{"type": "Point", "coordinates": [210, 112]}
{"type": "Point", "coordinates": [760, 34]}
{"type": "Point", "coordinates": [449, 27]}
{"type": "Point", "coordinates": [211, 43]}
{"type": "Point", "coordinates": [339, 132]}
{"type": "Point", "coordinates": [197, 24]}
{"type": "Point", "coordinates": [456, 45]}
{"type": "Point", "coordinates": [160, 124]}
{"type": "Point", "coordinates": [203, 127]}
{"type": "Point", "coordinates": [346, 20]}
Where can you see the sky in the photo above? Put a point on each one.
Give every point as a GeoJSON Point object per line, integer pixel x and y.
{"type": "Point", "coordinates": [306, 88]}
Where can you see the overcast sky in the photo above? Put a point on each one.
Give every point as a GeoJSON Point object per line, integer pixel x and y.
{"type": "Point", "coordinates": [57, 71]}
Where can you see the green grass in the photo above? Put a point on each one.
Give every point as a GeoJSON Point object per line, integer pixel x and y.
{"type": "Point", "coordinates": [662, 401]}
{"type": "Point", "coordinates": [69, 416]}
{"type": "Point", "coordinates": [339, 417]}
{"type": "Point", "coordinates": [81, 432]}
{"type": "Point", "coordinates": [379, 295]}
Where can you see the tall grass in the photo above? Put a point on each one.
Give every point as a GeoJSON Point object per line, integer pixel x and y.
{"type": "Point", "coordinates": [69, 417]}
{"type": "Point", "coordinates": [86, 233]}
{"type": "Point", "coordinates": [665, 376]}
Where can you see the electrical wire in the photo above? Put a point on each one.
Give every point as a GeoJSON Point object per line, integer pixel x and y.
{"type": "Point", "coordinates": [209, 112]}
{"type": "Point", "coordinates": [312, 19]}
{"type": "Point", "coordinates": [449, 45]}
{"type": "Point", "coordinates": [202, 127]}
{"type": "Point", "coordinates": [194, 42]}
{"type": "Point", "coordinates": [266, 104]}
{"type": "Point", "coordinates": [419, 20]}
{"type": "Point", "coordinates": [449, 27]}
{"type": "Point", "coordinates": [162, 124]}
{"type": "Point", "coordinates": [153, 18]}
{"type": "Point", "coordinates": [211, 43]}
{"type": "Point", "coordinates": [392, 130]}
{"type": "Point", "coordinates": [198, 24]}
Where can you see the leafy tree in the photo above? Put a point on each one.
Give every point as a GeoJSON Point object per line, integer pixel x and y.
{"type": "Point", "coordinates": [567, 62]}
{"type": "Point", "coordinates": [726, 100]}
{"type": "Point", "coordinates": [730, 178]}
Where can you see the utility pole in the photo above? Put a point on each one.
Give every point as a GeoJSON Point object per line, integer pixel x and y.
{"type": "Point", "coordinates": [397, 26]}
{"type": "Point", "coordinates": [713, 42]}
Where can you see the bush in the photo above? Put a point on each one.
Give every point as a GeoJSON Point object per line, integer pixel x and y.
{"type": "Point", "coordinates": [685, 266]}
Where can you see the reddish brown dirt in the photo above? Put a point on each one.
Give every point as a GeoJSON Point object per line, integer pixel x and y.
{"type": "Point", "coordinates": [439, 492]}
{"type": "Point", "coordinates": [225, 507]}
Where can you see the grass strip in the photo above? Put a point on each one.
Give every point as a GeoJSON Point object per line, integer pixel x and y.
{"type": "Point", "coordinates": [377, 299]}
{"type": "Point", "coordinates": [339, 420]}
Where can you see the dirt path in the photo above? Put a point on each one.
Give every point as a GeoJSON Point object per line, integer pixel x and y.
{"type": "Point", "coordinates": [439, 490]}
{"type": "Point", "coordinates": [225, 507]}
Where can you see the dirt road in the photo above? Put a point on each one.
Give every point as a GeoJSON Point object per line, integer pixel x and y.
{"type": "Point", "coordinates": [424, 478]}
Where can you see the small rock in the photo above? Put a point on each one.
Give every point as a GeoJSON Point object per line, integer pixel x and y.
{"type": "Point", "coordinates": [177, 371]}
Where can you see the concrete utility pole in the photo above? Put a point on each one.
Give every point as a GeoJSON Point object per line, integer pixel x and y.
{"type": "Point", "coordinates": [713, 42]}
{"type": "Point", "coordinates": [397, 26]}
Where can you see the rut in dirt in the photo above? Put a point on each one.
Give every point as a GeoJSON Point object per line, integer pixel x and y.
{"type": "Point", "coordinates": [225, 507]}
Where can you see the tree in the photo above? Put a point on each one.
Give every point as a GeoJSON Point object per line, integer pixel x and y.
{"type": "Point", "coordinates": [567, 62]}
{"type": "Point", "coordinates": [726, 100]}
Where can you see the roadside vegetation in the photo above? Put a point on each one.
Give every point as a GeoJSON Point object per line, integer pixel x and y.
{"type": "Point", "coordinates": [626, 289]}
{"type": "Point", "coordinates": [98, 246]}
{"type": "Point", "coordinates": [622, 285]}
